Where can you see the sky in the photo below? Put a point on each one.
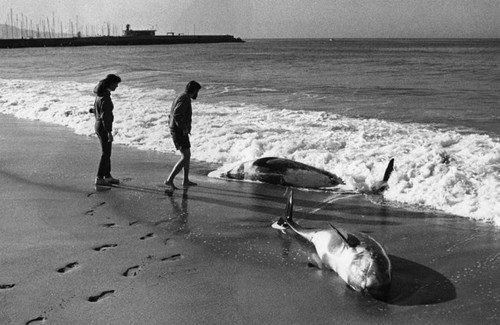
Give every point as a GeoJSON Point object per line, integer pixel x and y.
{"type": "Point", "coordinates": [274, 18]}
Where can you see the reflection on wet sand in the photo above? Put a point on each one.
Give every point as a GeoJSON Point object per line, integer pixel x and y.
{"type": "Point", "coordinates": [178, 220]}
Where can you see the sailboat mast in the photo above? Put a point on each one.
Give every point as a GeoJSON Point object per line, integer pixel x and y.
{"type": "Point", "coordinates": [11, 23]}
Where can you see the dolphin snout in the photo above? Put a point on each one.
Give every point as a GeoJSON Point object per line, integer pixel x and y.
{"type": "Point", "coordinates": [379, 292]}
{"type": "Point", "coordinates": [378, 285]}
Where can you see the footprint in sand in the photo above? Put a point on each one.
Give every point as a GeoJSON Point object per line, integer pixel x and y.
{"type": "Point", "coordinates": [110, 225]}
{"type": "Point", "coordinates": [91, 212]}
{"type": "Point", "coordinates": [100, 204]}
{"type": "Point", "coordinates": [38, 320]}
{"type": "Point", "coordinates": [101, 296]}
{"type": "Point", "coordinates": [6, 286]}
{"type": "Point", "coordinates": [105, 247]}
{"type": "Point", "coordinates": [150, 235]}
{"type": "Point", "coordinates": [174, 257]}
{"type": "Point", "coordinates": [69, 267]}
{"type": "Point", "coordinates": [132, 271]}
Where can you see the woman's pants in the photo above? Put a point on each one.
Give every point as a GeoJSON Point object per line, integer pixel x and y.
{"type": "Point", "coordinates": [105, 163]}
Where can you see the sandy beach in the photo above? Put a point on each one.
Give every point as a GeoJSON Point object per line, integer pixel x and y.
{"type": "Point", "coordinates": [207, 255]}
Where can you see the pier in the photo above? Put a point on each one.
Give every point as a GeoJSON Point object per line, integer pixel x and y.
{"type": "Point", "coordinates": [117, 40]}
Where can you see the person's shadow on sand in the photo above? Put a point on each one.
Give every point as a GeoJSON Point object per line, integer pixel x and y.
{"type": "Point", "coordinates": [415, 284]}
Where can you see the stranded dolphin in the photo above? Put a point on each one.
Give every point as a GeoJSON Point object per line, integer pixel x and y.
{"type": "Point", "coordinates": [356, 257]}
{"type": "Point", "coordinates": [288, 172]}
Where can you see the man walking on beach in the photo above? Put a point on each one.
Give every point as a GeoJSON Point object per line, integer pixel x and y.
{"type": "Point", "coordinates": [180, 128]}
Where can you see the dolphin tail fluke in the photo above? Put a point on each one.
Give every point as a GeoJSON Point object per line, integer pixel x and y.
{"type": "Point", "coordinates": [289, 207]}
{"type": "Point", "coordinates": [283, 222]}
{"type": "Point", "coordinates": [287, 222]}
{"type": "Point", "coordinates": [382, 186]}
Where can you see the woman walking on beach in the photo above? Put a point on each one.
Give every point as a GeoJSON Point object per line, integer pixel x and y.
{"type": "Point", "coordinates": [103, 111]}
{"type": "Point", "coordinates": [180, 128]}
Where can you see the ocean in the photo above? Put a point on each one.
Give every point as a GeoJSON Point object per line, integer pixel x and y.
{"type": "Point", "coordinates": [343, 105]}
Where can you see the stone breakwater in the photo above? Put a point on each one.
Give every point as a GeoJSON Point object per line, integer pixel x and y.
{"type": "Point", "coordinates": [117, 40]}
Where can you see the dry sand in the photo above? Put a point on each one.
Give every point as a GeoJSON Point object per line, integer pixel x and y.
{"type": "Point", "coordinates": [207, 255]}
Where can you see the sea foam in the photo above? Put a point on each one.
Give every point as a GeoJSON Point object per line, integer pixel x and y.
{"type": "Point", "coordinates": [457, 173]}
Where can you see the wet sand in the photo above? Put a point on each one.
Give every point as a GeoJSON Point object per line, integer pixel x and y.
{"type": "Point", "coordinates": [207, 255]}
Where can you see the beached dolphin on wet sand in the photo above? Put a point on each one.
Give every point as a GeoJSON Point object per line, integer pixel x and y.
{"type": "Point", "coordinates": [288, 172]}
{"type": "Point", "coordinates": [356, 257]}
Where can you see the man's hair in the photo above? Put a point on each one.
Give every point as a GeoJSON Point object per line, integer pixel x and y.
{"type": "Point", "coordinates": [192, 87]}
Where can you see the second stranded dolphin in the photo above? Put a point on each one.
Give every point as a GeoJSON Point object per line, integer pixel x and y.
{"type": "Point", "coordinates": [356, 257]}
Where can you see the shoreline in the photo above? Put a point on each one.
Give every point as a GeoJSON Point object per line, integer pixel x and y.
{"type": "Point", "coordinates": [208, 254]}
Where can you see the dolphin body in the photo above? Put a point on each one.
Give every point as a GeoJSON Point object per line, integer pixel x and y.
{"type": "Point", "coordinates": [288, 172]}
{"type": "Point", "coordinates": [356, 257]}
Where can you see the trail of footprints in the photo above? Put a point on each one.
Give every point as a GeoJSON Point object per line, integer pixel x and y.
{"type": "Point", "coordinates": [91, 212]}
{"type": "Point", "coordinates": [130, 272]}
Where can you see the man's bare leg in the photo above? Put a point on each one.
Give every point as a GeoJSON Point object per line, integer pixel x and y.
{"type": "Point", "coordinates": [185, 157]}
{"type": "Point", "coordinates": [187, 164]}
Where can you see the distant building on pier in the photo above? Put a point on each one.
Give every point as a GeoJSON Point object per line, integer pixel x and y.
{"type": "Point", "coordinates": [130, 32]}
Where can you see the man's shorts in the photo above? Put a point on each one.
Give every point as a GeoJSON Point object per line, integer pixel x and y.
{"type": "Point", "coordinates": [181, 140]}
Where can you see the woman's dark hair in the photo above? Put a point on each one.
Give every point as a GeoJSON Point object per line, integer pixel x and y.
{"type": "Point", "coordinates": [111, 78]}
{"type": "Point", "coordinates": [192, 87]}
{"type": "Point", "coordinates": [104, 84]}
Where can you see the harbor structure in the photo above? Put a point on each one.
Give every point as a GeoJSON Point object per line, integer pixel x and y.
{"type": "Point", "coordinates": [19, 31]}
{"type": "Point", "coordinates": [130, 32]}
